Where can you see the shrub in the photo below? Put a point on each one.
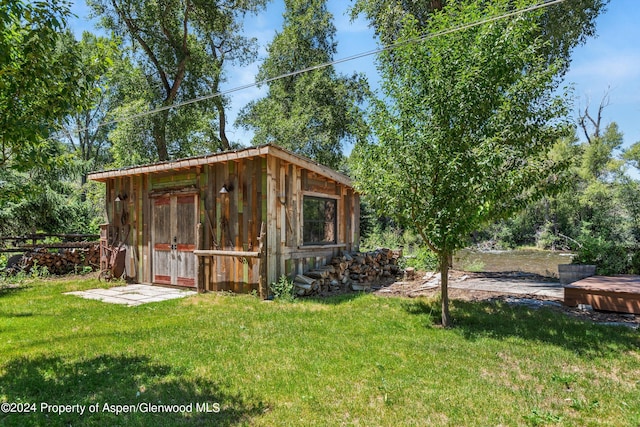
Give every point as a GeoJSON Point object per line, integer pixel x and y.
{"type": "Point", "coordinates": [423, 259]}
{"type": "Point", "coordinates": [283, 289]}
{"type": "Point", "coordinates": [608, 257]}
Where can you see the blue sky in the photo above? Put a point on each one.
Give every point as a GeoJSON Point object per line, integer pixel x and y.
{"type": "Point", "coordinates": [608, 63]}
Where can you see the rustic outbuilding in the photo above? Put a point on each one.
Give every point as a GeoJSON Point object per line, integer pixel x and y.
{"type": "Point", "coordinates": [233, 221]}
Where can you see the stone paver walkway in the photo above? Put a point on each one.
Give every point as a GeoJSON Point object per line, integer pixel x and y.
{"type": "Point", "coordinates": [132, 295]}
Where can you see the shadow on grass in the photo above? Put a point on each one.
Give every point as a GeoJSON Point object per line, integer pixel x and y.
{"type": "Point", "coordinates": [475, 320]}
{"type": "Point", "coordinates": [11, 288]}
{"type": "Point", "coordinates": [336, 299]}
{"type": "Point", "coordinates": [117, 380]}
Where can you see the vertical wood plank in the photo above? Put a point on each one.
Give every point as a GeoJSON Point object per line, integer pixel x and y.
{"type": "Point", "coordinates": [218, 266]}
{"type": "Point", "coordinates": [271, 219]}
{"type": "Point", "coordinates": [198, 270]}
{"type": "Point", "coordinates": [355, 222]}
{"type": "Point", "coordinates": [281, 196]}
{"type": "Point", "coordinates": [342, 214]}
{"type": "Point", "coordinates": [146, 230]}
{"type": "Point", "coordinates": [262, 264]}
{"type": "Point", "coordinates": [139, 206]}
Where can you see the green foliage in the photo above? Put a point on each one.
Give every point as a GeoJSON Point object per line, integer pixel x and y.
{"type": "Point", "coordinates": [454, 178]}
{"type": "Point", "coordinates": [597, 162]}
{"type": "Point", "coordinates": [315, 112]}
{"type": "Point", "coordinates": [547, 238]}
{"type": "Point", "coordinates": [465, 126]}
{"type": "Point", "coordinates": [632, 155]}
{"type": "Point", "coordinates": [83, 270]}
{"type": "Point", "coordinates": [416, 253]}
{"type": "Point", "coordinates": [283, 289]}
{"type": "Point", "coordinates": [389, 237]}
{"type": "Point", "coordinates": [38, 271]}
{"type": "Point", "coordinates": [178, 51]}
{"type": "Point", "coordinates": [564, 25]}
{"type": "Point", "coordinates": [423, 258]}
{"type": "Point", "coordinates": [539, 417]}
{"type": "Point", "coordinates": [37, 80]}
{"type": "Point", "coordinates": [598, 198]}
{"type": "Point", "coordinates": [84, 130]}
{"type": "Point", "coordinates": [49, 199]}
{"type": "Point", "coordinates": [610, 258]}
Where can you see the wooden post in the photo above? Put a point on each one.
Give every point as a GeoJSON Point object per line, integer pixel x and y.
{"type": "Point", "coordinates": [262, 276]}
{"type": "Point", "coordinates": [199, 265]}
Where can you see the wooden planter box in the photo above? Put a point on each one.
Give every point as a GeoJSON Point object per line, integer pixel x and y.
{"type": "Point", "coordinates": [614, 293]}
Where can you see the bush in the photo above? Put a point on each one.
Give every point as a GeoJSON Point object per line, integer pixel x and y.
{"type": "Point", "coordinates": [390, 237]}
{"type": "Point", "coordinates": [423, 259]}
{"type": "Point", "coordinates": [608, 257]}
{"type": "Point", "coordinates": [283, 289]}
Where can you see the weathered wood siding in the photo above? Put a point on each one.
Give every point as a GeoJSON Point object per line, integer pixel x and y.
{"type": "Point", "coordinates": [288, 184]}
{"type": "Point", "coordinates": [261, 189]}
{"type": "Point", "coordinates": [231, 221]}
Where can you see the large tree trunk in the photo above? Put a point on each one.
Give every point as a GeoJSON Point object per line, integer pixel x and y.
{"type": "Point", "coordinates": [160, 134]}
{"type": "Point", "coordinates": [222, 119]}
{"type": "Point", "coordinates": [444, 288]}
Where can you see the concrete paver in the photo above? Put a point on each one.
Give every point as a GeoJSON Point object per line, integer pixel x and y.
{"type": "Point", "coordinates": [513, 287]}
{"type": "Point", "coordinates": [133, 295]}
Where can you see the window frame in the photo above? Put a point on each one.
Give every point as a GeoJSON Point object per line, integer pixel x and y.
{"type": "Point", "coordinates": [321, 198]}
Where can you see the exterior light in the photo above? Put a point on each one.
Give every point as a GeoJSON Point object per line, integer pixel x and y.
{"type": "Point", "coordinates": [227, 187]}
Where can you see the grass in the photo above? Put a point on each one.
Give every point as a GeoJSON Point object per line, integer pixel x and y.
{"type": "Point", "coordinates": [350, 360]}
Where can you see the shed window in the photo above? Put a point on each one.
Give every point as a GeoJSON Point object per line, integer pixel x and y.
{"type": "Point", "coordinates": [319, 222]}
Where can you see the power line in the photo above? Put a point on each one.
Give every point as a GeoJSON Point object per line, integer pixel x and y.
{"type": "Point", "coordinates": [545, 3]}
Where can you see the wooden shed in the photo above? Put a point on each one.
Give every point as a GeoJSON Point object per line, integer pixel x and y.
{"type": "Point", "coordinates": [235, 221]}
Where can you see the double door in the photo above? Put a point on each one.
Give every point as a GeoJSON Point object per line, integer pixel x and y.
{"type": "Point", "coordinates": [174, 240]}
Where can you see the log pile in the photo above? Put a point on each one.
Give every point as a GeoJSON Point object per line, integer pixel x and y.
{"type": "Point", "coordinates": [64, 261]}
{"type": "Point", "coordinates": [357, 271]}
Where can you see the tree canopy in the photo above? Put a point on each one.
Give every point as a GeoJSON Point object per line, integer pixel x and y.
{"type": "Point", "coordinates": [315, 112]}
{"type": "Point", "coordinates": [465, 124]}
{"type": "Point", "coordinates": [83, 129]}
{"type": "Point", "coordinates": [37, 80]}
{"type": "Point", "coordinates": [564, 26]}
{"type": "Point", "coordinates": [181, 48]}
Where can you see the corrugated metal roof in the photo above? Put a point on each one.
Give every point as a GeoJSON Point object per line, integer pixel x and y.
{"type": "Point", "coordinates": [226, 156]}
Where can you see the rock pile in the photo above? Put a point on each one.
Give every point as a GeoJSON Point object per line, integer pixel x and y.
{"type": "Point", "coordinates": [356, 271]}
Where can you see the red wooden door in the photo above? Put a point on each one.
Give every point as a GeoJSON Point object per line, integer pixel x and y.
{"type": "Point", "coordinates": [174, 238]}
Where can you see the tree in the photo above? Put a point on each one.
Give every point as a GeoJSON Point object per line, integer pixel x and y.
{"type": "Point", "coordinates": [314, 112]}
{"type": "Point", "coordinates": [181, 47]}
{"type": "Point", "coordinates": [601, 181]}
{"type": "Point", "coordinates": [37, 79]}
{"type": "Point", "coordinates": [465, 126]}
{"type": "Point", "coordinates": [564, 26]}
{"type": "Point", "coordinates": [84, 129]}
{"type": "Point", "coordinates": [46, 197]}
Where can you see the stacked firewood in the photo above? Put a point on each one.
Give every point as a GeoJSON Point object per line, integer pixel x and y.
{"type": "Point", "coordinates": [63, 261]}
{"type": "Point", "coordinates": [357, 271]}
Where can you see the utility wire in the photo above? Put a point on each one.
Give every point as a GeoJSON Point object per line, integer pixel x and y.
{"type": "Point", "coordinates": [392, 46]}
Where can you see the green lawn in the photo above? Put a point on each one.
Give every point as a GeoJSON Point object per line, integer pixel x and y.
{"type": "Point", "coordinates": [353, 360]}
